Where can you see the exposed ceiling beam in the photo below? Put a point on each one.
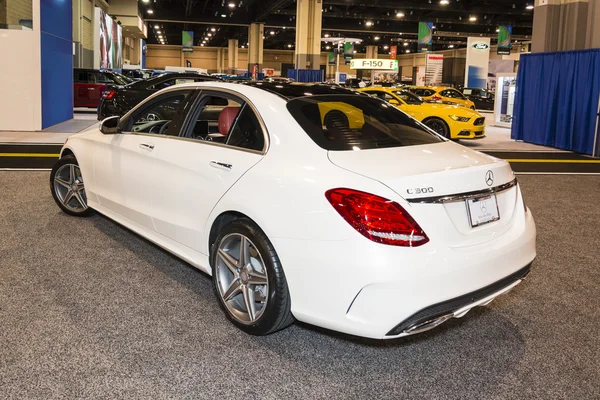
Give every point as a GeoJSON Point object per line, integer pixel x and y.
{"type": "Point", "coordinates": [269, 8]}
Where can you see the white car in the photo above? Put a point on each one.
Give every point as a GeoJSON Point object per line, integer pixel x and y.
{"type": "Point", "coordinates": [307, 202]}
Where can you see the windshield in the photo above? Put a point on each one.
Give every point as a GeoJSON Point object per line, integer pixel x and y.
{"type": "Point", "coordinates": [350, 122]}
{"type": "Point", "coordinates": [408, 97]}
{"type": "Point", "coordinates": [121, 79]}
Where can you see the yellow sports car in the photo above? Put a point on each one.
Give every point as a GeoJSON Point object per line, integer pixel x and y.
{"type": "Point", "coordinates": [442, 94]}
{"type": "Point", "coordinates": [452, 122]}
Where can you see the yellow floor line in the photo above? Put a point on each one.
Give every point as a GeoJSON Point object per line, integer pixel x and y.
{"type": "Point", "coordinates": [554, 161]}
{"type": "Point", "coordinates": [29, 155]}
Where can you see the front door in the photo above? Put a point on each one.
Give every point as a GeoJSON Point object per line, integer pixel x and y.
{"type": "Point", "coordinates": [124, 164]}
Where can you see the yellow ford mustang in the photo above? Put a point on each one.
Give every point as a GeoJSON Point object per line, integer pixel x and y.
{"type": "Point", "coordinates": [442, 94]}
{"type": "Point", "coordinates": [453, 122]}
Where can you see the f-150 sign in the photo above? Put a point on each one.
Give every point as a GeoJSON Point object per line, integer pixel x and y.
{"type": "Point", "coordinates": [366, 63]}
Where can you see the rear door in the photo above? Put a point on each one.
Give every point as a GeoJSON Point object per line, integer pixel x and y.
{"type": "Point", "coordinates": [80, 88]}
{"type": "Point", "coordinates": [221, 140]}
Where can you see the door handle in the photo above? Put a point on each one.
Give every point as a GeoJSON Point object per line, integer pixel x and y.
{"type": "Point", "coordinates": [146, 146]}
{"type": "Point", "coordinates": [220, 165]}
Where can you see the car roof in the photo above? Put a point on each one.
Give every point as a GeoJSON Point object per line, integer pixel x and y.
{"type": "Point", "coordinates": [295, 89]}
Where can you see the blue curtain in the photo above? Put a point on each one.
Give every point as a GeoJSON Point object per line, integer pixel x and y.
{"type": "Point", "coordinates": [556, 100]}
{"type": "Point", "coordinates": [305, 75]}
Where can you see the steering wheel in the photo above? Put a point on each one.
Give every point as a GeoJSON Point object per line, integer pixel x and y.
{"type": "Point", "coordinates": [163, 129]}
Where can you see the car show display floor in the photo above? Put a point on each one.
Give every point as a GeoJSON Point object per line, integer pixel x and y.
{"type": "Point", "coordinates": [90, 310]}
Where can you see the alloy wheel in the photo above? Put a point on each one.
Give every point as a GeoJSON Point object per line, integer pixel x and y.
{"type": "Point", "coordinates": [241, 278]}
{"type": "Point", "coordinates": [437, 126]}
{"type": "Point", "coordinates": [69, 188]}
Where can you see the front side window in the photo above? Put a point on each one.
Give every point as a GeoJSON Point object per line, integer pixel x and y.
{"type": "Point", "coordinates": [159, 115]}
{"type": "Point", "coordinates": [347, 122]}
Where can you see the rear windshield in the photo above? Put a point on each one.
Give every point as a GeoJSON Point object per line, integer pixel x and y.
{"type": "Point", "coordinates": [356, 122]}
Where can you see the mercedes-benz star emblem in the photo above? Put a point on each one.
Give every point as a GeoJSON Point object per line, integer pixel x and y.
{"type": "Point", "coordinates": [483, 207]}
{"type": "Point", "coordinates": [489, 178]}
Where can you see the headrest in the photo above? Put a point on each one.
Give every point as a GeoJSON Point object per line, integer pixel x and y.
{"type": "Point", "coordinates": [226, 119]}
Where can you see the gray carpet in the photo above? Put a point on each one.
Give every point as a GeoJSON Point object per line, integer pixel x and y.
{"type": "Point", "coordinates": [90, 310]}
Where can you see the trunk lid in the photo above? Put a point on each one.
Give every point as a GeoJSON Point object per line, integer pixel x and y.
{"type": "Point", "coordinates": [418, 173]}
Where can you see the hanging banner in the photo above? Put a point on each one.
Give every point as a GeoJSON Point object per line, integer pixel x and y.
{"type": "Point", "coordinates": [393, 52]}
{"type": "Point", "coordinates": [425, 38]}
{"type": "Point", "coordinates": [377, 64]}
{"type": "Point", "coordinates": [331, 58]}
{"type": "Point", "coordinates": [187, 40]}
{"type": "Point", "coordinates": [434, 67]}
{"type": "Point", "coordinates": [348, 52]}
{"type": "Point", "coordinates": [504, 40]}
{"type": "Point", "coordinates": [477, 63]}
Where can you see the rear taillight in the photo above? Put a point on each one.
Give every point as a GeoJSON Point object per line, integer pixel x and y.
{"type": "Point", "coordinates": [109, 94]}
{"type": "Point", "coordinates": [378, 219]}
{"type": "Point", "coordinates": [436, 98]}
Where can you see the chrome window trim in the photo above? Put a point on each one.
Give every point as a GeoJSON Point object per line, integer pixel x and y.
{"type": "Point", "coordinates": [263, 126]}
{"type": "Point", "coordinates": [463, 196]}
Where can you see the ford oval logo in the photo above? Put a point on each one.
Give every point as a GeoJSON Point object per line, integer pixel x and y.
{"type": "Point", "coordinates": [480, 46]}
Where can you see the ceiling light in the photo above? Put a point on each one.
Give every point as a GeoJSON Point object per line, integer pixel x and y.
{"type": "Point", "coordinates": [327, 35]}
{"type": "Point", "coordinates": [202, 45]}
{"type": "Point", "coordinates": [289, 46]}
{"type": "Point", "coordinates": [223, 16]}
{"type": "Point", "coordinates": [212, 29]}
{"type": "Point", "coordinates": [369, 23]}
{"type": "Point", "coordinates": [376, 38]}
{"type": "Point", "coordinates": [231, 5]}
{"type": "Point", "coordinates": [272, 33]}
{"type": "Point", "coordinates": [158, 32]}
{"type": "Point", "coordinates": [209, 34]}
{"type": "Point", "coordinates": [472, 18]}
{"type": "Point", "coordinates": [242, 46]}
{"type": "Point", "coordinates": [400, 15]}
{"type": "Point", "coordinates": [354, 52]}
{"type": "Point", "coordinates": [327, 47]}
{"type": "Point", "coordinates": [450, 46]}
{"type": "Point", "coordinates": [497, 30]}
{"type": "Point", "coordinates": [386, 47]}
{"type": "Point", "coordinates": [444, 2]}
{"type": "Point", "coordinates": [408, 51]}
{"type": "Point", "coordinates": [529, 7]}
{"type": "Point", "coordinates": [156, 26]}
{"type": "Point", "coordinates": [406, 43]}
{"type": "Point", "coordinates": [150, 12]}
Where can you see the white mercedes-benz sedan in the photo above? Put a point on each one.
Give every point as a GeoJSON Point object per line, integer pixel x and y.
{"type": "Point", "coordinates": [307, 202]}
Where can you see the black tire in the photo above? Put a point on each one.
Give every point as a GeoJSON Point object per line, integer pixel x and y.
{"type": "Point", "coordinates": [439, 126]}
{"type": "Point", "coordinates": [59, 191]}
{"type": "Point", "coordinates": [276, 314]}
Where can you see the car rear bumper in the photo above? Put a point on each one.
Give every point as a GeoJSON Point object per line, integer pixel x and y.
{"type": "Point", "coordinates": [382, 292]}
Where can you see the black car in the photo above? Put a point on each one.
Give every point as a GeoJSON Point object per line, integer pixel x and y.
{"type": "Point", "coordinates": [483, 99]}
{"type": "Point", "coordinates": [137, 74]}
{"type": "Point", "coordinates": [119, 100]}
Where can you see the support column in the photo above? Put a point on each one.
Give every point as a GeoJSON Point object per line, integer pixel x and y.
{"type": "Point", "coordinates": [255, 47]}
{"type": "Point", "coordinates": [560, 25]}
{"type": "Point", "coordinates": [309, 18]}
{"type": "Point", "coordinates": [371, 52]}
{"type": "Point", "coordinates": [232, 56]}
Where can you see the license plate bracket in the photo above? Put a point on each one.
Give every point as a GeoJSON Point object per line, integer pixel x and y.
{"type": "Point", "coordinates": [482, 210]}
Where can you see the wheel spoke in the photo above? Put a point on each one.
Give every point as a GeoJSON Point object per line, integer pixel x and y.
{"type": "Point", "coordinates": [230, 262]}
{"type": "Point", "coordinates": [234, 289]}
{"type": "Point", "coordinates": [257, 278]}
{"type": "Point", "coordinates": [71, 173]}
{"type": "Point", "coordinates": [62, 182]}
{"type": "Point", "coordinates": [244, 252]}
{"type": "Point", "coordinates": [68, 197]}
{"type": "Point", "coordinates": [80, 199]}
{"type": "Point", "coordinates": [250, 302]}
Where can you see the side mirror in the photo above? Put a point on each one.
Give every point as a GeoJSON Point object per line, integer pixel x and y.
{"type": "Point", "coordinates": [110, 125]}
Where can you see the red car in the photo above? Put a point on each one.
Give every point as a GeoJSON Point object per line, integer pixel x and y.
{"type": "Point", "coordinates": [89, 84]}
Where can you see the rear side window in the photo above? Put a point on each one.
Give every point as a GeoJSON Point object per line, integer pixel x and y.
{"type": "Point", "coordinates": [351, 122]}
